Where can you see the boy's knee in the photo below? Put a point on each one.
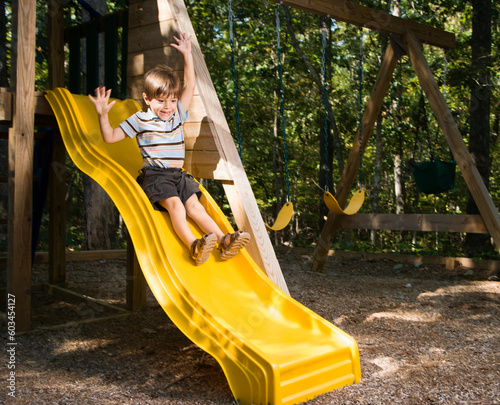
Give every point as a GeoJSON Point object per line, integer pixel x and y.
{"type": "Point", "coordinates": [194, 207]}
{"type": "Point", "coordinates": [173, 204]}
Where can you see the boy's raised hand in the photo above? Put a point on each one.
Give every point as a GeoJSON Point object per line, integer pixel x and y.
{"type": "Point", "coordinates": [183, 44]}
{"type": "Point", "coordinates": [101, 101]}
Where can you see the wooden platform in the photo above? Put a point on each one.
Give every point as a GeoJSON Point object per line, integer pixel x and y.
{"type": "Point", "coordinates": [43, 112]}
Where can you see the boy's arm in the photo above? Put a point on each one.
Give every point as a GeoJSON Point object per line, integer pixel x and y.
{"type": "Point", "coordinates": [109, 134]}
{"type": "Point", "coordinates": [184, 46]}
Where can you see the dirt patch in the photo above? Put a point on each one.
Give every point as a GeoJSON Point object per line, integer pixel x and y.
{"type": "Point", "coordinates": [426, 335]}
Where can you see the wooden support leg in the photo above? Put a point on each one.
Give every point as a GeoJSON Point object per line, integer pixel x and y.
{"type": "Point", "coordinates": [57, 212]}
{"type": "Point", "coordinates": [370, 115]}
{"type": "Point", "coordinates": [21, 139]}
{"type": "Point", "coordinates": [464, 159]}
{"type": "Point", "coordinates": [136, 283]}
{"type": "Point", "coordinates": [57, 181]}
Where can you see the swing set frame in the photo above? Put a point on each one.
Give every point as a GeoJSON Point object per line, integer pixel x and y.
{"type": "Point", "coordinates": [407, 37]}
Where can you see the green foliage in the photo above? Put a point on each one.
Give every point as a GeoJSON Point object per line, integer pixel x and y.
{"type": "Point", "coordinates": [256, 64]}
{"type": "Point", "coordinates": [261, 139]}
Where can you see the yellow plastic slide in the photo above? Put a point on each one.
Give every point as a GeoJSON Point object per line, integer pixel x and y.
{"type": "Point", "coordinates": [273, 350]}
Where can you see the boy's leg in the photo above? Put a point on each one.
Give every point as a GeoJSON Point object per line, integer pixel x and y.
{"type": "Point", "coordinates": [177, 213]}
{"type": "Point", "coordinates": [200, 249]}
{"type": "Point", "coordinates": [198, 213]}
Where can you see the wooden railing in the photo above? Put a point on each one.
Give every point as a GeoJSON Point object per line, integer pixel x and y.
{"type": "Point", "coordinates": [114, 28]}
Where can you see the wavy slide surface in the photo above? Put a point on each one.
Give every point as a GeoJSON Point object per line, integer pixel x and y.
{"type": "Point", "coordinates": [273, 350]}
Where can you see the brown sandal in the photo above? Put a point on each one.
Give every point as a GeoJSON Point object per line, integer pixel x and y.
{"type": "Point", "coordinates": [202, 248]}
{"type": "Point", "coordinates": [237, 241]}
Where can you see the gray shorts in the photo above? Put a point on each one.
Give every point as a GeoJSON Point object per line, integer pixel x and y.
{"type": "Point", "coordinates": [159, 183]}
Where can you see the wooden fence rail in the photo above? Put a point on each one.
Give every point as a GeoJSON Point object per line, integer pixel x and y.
{"type": "Point", "coordinates": [415, 222]}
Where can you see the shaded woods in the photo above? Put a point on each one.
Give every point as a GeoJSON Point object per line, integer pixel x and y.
{"type": "Point", "coordinates": [318, 143]}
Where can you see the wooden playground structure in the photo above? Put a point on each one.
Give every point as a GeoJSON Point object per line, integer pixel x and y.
{"type": "Point", "coordinates": [406, 38]}
{"type": "Point", "coordinates": [211, 153]}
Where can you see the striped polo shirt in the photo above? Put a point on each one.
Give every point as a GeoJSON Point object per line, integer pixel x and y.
{"type": "Point", "coordinates": [161, 142]}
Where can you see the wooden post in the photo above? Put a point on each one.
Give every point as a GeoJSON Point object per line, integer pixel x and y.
{"type": "Point", "coordinates": [370, 115]}
{"type": "Point", "coordinates": [464, 159]}
{"type": "Point", "coordinates": [136, 282]}
{"type": "Point", "coordinates": [57, 180]}
{"type": "Point", "coordinates": [21, 138]}
{"type": "Point", "coordinates": [239, 192]}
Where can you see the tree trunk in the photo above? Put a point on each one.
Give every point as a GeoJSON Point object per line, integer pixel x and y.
{"type": "Point", "coordinates": [399, 188]}
{"type": "Point", "coordinates": [377, 173]}
{"type": "Point", "coordinates": [377, 176]}
{"type": "Point", "coordinates": [398, 184]}
{"type": "Point", "coordinates": [479, 139]}
{"type": "Point", "coordinates": [100, 218]}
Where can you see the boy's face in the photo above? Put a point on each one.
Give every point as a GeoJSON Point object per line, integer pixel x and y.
{"type": "Point", "coordinates": [163, 106]}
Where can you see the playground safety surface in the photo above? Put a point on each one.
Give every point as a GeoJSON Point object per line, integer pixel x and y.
{"type": "Point", "coordinates": [426, 335]}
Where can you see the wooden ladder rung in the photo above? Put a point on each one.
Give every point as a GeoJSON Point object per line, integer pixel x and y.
{"type": "Point", "coordinates": [4, 179]}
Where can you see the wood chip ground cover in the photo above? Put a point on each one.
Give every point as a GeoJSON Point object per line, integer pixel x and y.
{"type": "Point", "coordinates": [426, 335]}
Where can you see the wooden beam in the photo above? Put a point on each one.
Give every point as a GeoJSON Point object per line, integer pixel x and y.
{"type": "Point", "coordinates": [57, 176]}
{"type": "Point", "coordinates": [239, 194]}
{"type": "Point", "coordinates": [83, 255]}
{"type": "Point", "coordinates": [136, 282]}
{"type": "Point", "coordinates": [377, 20]}
{"type": "Point", "coordinates": [5, 105]}
{"type": "Point", "coordinates": [21, 160]}
{"type": "Point", "coordinates": [73, 296]}
{"type": "Point", "coordinates": [56, 44]}
{"type": "Point", "coordinates": [41, 105]}
{"type": "Point", "coordinates": [449, 262]}
{"type": "Point", "coordinates": [57, 210]}
{"type": "Point", "coordinates": [370, 114]}
{"type": "Point", "coordinates": [415, 222]}
{"type": "Point", "coordinates": [491, 265]}
{"type": "Point", "coordinates": [464, 159]}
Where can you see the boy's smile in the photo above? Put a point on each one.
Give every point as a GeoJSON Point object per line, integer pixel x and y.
{"type": "Point", "coordinates": [163, 106]}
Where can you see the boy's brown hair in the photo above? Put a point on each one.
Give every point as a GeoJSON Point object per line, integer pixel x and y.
{"type": "Point", "coordinates": [162, 81]}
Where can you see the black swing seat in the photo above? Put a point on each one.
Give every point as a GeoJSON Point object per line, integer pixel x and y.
{"type": "Point", "coordinates": [434, 176]}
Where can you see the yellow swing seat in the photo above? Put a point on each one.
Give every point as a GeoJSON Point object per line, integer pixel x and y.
{"type": "Point", "coordinates": [354, 205]}
{"type": "Point", "coordinates": [283, 219]}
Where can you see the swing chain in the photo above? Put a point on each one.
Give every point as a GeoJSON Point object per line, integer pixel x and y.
{"type": "Point", "coordinates": [282, 101]}
{"type": "Point", "coordinates": [235, 80]}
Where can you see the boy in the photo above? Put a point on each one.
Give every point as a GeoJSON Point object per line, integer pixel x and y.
{"type": "Point", "coordinates": [160, 138]}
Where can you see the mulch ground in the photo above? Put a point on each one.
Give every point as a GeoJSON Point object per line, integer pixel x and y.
{"type": "Point", "coordinates": [426, 335]}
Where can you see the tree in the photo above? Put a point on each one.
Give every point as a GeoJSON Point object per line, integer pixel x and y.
{"type": "Point", "coordinates": [480, 104]}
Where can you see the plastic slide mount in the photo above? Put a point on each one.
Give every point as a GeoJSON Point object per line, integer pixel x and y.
{"type": "Point", "coordinates": [272, 349]}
